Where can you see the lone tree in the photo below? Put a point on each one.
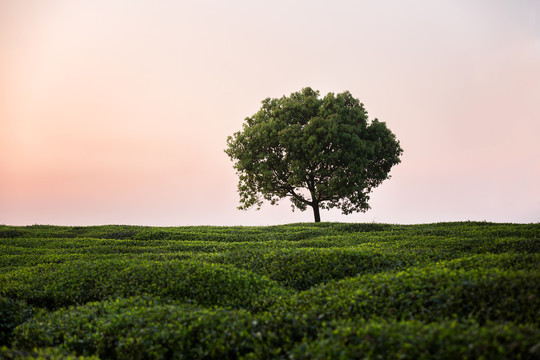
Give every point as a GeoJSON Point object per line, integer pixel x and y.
{"type": "Point", "coordinates": [322, 153]}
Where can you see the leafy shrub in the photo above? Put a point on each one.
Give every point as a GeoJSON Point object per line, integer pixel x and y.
{"type": "Point", "coordinates": [55, 286]}
{"type": "Point", "coordinates": [503, 245]}
{"type": "Point", "coordinates": [302, 234]}
{"type": "Point", "coordinates": [9, 232]}
{"type": "Point", "coordinates": [40, 354]}
{"type": "Point", "coordinates": [428, 294]}
{"type": "Point", "coordinates": [416, 340]}
{"type": "Point", "coordinates": [302, 269]}
{"type": "Point", "coordinates": [140, 328]}
{"type": "Point", "coordinates": [474, 230]}
{"type": "Point", "coordinates": [58, 285]}
{"type": "Point", "coordinates": [153, 235]}
{"type": "Point", "coordinates": [12, 313]}
{"type": "Point", "coordinates": [488, 262]}
{"type": "Point", "coordinates": [119, 234]}
{"type": "Point", "coordinates": [203, 283]}
{"type": "Point", "coordinates": [360, 227]}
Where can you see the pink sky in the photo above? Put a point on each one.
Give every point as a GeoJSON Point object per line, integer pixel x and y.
{"type": "Point", "coordinates": [117, 112]}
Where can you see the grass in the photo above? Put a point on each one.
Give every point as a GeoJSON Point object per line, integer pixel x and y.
{"type": "Point", "coordinates": [299, 291]}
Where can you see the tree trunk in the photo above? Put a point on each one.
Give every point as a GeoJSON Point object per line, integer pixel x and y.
{"type": "Point", "coordinates": [316, 212]}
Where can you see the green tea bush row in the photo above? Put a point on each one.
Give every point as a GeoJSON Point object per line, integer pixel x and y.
{"type": "Point", "coordinates": [139, 328]}
{"type": "Point", "coordinates": [9, 263]}
{"type": "Point", "coordinates": [302, 268]}
{"type": "Point", "coordinates": [55, 286]}
{"type": "Point", "coordinates": [40, 354]}
{"type": "Point", "coordinates": [473, 230]}
{"type": "Point", "coordinates": [69, 232]}
{"type": "Point", "coordinates": [428, 294]}
{"type": "Point", "coordinates": [101, 246]}
{"type": "Point", "coordinates": [447, 248]}
{"type": "Point", "coordinates": [416, 340]}
{"type": "Point", "coordinates": [145, 329]}
{"type": "Point", "coordinates": [12, 313]}
{"type": "Point", "coordinates": [528, 245]}
{"type": "Point", "coordinates": [487, 262]}
{"type": "Point", "coordinates": [240, 236]}
{"type": "Point", "coordinates": [14, 262]}
{"type": "Point", "coordinates": [282, 232]}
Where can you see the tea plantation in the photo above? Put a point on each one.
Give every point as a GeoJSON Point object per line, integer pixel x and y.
{"type": "Point", "coordinates": [302, 291]}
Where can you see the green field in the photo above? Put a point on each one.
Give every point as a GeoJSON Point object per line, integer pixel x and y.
{"type": "Point", "coordinates": [302, 291]}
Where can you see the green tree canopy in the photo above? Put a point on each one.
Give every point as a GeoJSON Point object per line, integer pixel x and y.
{"type": "Point", "coordinates": [319, 152]}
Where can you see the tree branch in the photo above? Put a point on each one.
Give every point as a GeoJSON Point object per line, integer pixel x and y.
{"type": "Point", "coordinates": [299, 198]}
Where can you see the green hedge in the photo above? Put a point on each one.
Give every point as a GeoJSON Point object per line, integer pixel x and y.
{"type": "Point", "coordinates": [416, 340]}
{"type": "Point", "coordinates": [139, 328]}
{"type": "Point", "coordinates": [58, 285]}
{"type": "Point", "coordinates": [487, 262]}
{"type": "Point", "coordinates": [429, 294]}
{"type": "Point", "coordinates": [301, 269]}
{"type": "Point", "coordinates": [12, 313]}
{"type": "Point", "coordinates": [40, 354]}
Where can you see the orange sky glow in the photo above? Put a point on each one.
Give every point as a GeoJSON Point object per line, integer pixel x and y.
{"type": "Point", "coordinates": [117, 112]}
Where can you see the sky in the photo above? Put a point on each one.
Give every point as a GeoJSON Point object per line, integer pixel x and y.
{"type": "Point", "coordinates": [118, 111]}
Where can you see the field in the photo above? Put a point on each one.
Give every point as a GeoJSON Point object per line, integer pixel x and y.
{"type": "Point", "coordinates": [302, 291]}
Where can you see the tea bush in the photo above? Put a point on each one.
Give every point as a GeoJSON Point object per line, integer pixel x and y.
{"type": "Point", "coordinates": [429, 294]}
{"type": "Point", "coordinates": [12, 313]}
{"type": "Point", "coordinates": [417, 340]}
{"type": "Point", "coordinates": [58, 285]}
{"type": "Point", "coordinates": [41, 354]}
{"type": "Point", "coordinates": [140, 328]}
{"type": "Point", "coordinates": [303, 268]}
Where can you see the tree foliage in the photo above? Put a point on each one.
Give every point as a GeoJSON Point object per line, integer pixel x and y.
{"type": "Point", "coordinates": [319, 152]}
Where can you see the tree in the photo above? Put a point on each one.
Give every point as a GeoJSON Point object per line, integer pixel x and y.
{"type": "Point", "coordinates": [319, 152]}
